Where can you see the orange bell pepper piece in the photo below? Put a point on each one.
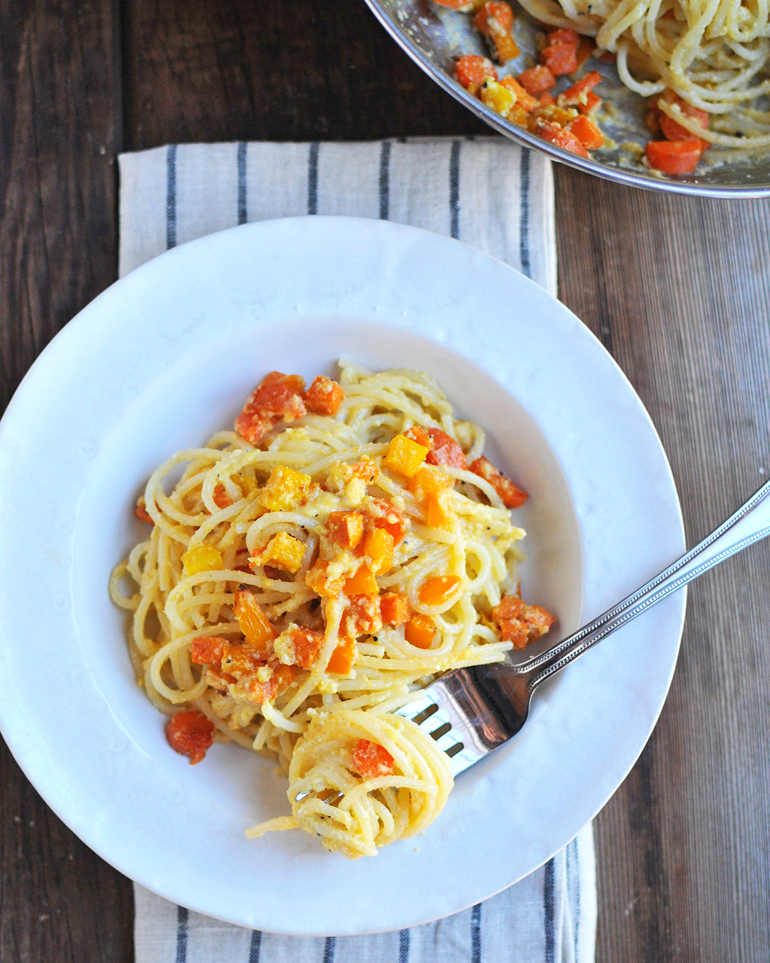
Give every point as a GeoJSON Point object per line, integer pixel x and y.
{"type": "Point", "coordinates": [436, 590]}
{"type": "Point", "coordinates": [343, 657]}
{"type": "Point", "coordinates": [420, 631]}
{"type": "Point", "coordinates": [362, 583]}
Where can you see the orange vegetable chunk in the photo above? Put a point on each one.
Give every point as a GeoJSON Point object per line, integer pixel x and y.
{"type": "Point", "coordinates": [560, 59]}
{"type": "Point", "coordinates": [190, 733]}
{"type": "Point", "coordinates": [511, 495]}
{"type": "Point", "coordinates": [436, 590]}
{"type": "Point", "coordinates": [141, 511]}
{"type": "Point", "coordinates": [254, 624]}
{"type": "Point", "coordinates": [404, 456]}
{"type": "Point", "coordinates": [207, 650]}
{"type": "Point", "coordinates": [362, 583]}
{"type": "Point", "coordinates": [361, 616]}
{"type": "Point", "coordinates": [298, 645]}
{"type": "Point", "coordinates": [471, 71]}
{"type": "Point", "coordinates": [381, 514]}
{"type": "Point", "coordinates": [537, 80]}
{"type": "Point", "coordinates": [283, 552]}
{"type": "Point", "coordinates": [343, 657]}
{"type": "Point", "coordinates": [674, 157]}
{"type": "Point", "coordinates": [324, 396]}
{"type": "Point", "coordinates": [346, 529]}
{"type": "Point", "coordinates": [445, 450]}
{"type": "Point", "coordinates": [394, 608]}
{"type": "Point", "coordinates": [420, 631]}
{"type": "Point", "coordinates": [317, 578]}
{"type": "Point", "coordinates": [586, 132]}
{"type": "Point", "coordinates": [371, 760]}
{"type": "Point", "coordinates": [378, 548]}
{"type": "Point", "coordinates": [435, 516]}
{"type": "Point", "coordinates": [430, 482]}
{"type": "Point", "coordinates": [576, 94]}
{"type": "Point", "coordinates": [521, 623]}
{"type": "Point", "coordinates": [524, 99]}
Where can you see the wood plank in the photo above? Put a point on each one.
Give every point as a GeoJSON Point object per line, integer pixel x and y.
{"type": "Point", "coordinates": [59, 131]}
{"type": "Point", "coordinates": [678, 289]}
{"type": "Point", "coordinates": [294, 70]}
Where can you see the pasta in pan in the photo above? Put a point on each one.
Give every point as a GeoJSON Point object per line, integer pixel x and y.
{"type": "Point", "coordinates": [307, 573]}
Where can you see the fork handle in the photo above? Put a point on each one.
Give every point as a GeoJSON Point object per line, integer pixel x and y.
{"type": "Point", "coordinates": [750, 524]}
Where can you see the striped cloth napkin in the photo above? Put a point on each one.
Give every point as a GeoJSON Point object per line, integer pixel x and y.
{"type": "Point", "coordinates": [491, 194]}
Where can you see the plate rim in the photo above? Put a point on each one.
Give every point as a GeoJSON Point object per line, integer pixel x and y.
{"type": "Point", "coordinates": [84, 318]}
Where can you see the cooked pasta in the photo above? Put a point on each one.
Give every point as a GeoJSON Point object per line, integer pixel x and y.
{"type": "Point", "coordinates": [713, 53]}
{"type": "Point", "coordinates": [307, 573]}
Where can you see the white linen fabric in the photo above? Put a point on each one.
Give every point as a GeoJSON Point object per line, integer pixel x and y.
{"type": "Point", "coordinates": [489, 193]}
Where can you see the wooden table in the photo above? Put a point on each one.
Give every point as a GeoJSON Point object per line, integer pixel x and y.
{"type": "Point", "coordinates": [677, 289]}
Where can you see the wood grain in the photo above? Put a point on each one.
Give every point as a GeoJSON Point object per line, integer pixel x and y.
{"type": "Point", "coordinates": [677, 289]}
{"type": "Point", "coordinates": [60, 128]}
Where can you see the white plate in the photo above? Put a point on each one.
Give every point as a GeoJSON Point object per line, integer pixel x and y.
{"type": "Point", "coordinates": [160, 361]}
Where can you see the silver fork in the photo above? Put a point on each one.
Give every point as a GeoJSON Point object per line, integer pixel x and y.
{"type": "Point", "coordinates": [470, 712]}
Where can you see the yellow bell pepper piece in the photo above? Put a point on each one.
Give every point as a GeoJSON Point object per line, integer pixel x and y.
{"type": "Point", "coordinates": [202, 558]}
{"type": "Point", "coordinates": [283, 551]}
{"type": "Point", "coordinates": [404, 456]}
{"type": "Point", "coordinates": [284, 489]}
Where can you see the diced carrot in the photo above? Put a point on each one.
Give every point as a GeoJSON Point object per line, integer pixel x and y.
{"type": "Point", "coordinates": [562, 35]}
{"type": "Point", "coordinates": [524, 100]}
{"type": "Point", "coordinates": [342, 658]}
{"type": "Point", "coordinates": [445, 450]}
{"type": "Point", "coordinates": [381, 514]}
{"type": "Point", "coordinates": [318, 579]}
{"type": "Point", "coordinates": [521, 623]}
{"type": "Point", "coordinates": [420, 435]}
{"type": "Point", "coordinates": [362, 583]}
{"type": "Point", "coordinates": [511, 495]}
{"type": "Point", "coordinates": [576, 95]}
{"type": "Point", "coordinates": [278, 396]}
{"type": "Point", "coordinates": [560, 59]}
{"type": "Point", "coordinates": [141, 511]}
{"type": "Point", "coordinates": [324, 396]}
{"type": "Point", "coordinates": [260, 692]}
{"type": "Point", "coordinates": [673, 157]}
{"type": "Point", "coordinates": [537, 80]}
{"type": "Point", "coordinates": [394, 608]}
{"type": "Point", "coordinates": [221, 498]}
{"type": "Point", "coordinates": [190, 733]}
{"type": "Point", "coordinates": [586, 47]}
{"type": "Point", "coordinates": [586, 132]}
{"type": "Point", "coordinates": [346, 529]}
{"type": "Point", "coordinates": [207, 650]}
{"type": "Point", "coordinates": [420, 631]}
{"type": "Point", "coordinates": [547, 100]}
{"type": "Point", "coordinates": [378, 549]}
{"type": "Point", "coordinates": [472, 70]}
{"type": "Point", "coordinates": [517, 115]}
{"type": "Point", "coordinates": [437, 590]}
{"type": "Point", "coordinates": [254, 624]}
{"type": "Point", "coordinates": [362, 615]}
{"type": "Point", "coordinates": [501, 12]}
{"type": "Point", "coordinates": [299, 645]}
{"type": "Point", "coordinates": [559, 137]}
{"type": "Point", "coordinates": [464, 6]}
{"type": "Point", "coordinates": [495, 22]}
{"type": "Point", "coordinates": [371, 760]}
{"type": "Point", "coordinates": [673, 130]}
{"type": "Point", "coordinates": [404, 456]}
{"type": "Point", "coordinates": [366, 470]}
{"type": "Point", "coordinates": [592, 104]}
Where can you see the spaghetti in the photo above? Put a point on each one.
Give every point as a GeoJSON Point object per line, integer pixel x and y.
{"type": "Point", "coordinates": [308, 573]}
{"type": "Point", "coordinates": [713, 54]}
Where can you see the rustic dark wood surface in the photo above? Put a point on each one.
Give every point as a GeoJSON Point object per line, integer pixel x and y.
{"type": "Point", "coordinates": [677, 289]}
